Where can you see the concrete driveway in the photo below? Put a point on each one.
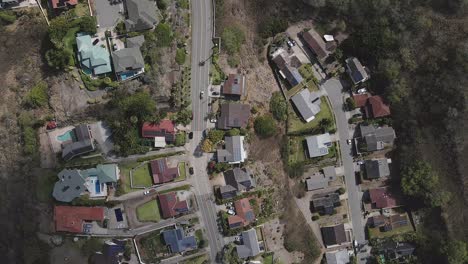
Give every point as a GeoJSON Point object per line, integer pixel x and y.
{"type": "Point", "coordinates": [107, 14]}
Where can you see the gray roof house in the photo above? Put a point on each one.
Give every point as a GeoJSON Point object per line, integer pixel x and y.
{"type": "Point", "coordinates": [71, 185]}
{"type": "Point", "coordinates": [177, 241]}
{"type": "Point", "coordinates": [142, 15]}
{"type": "Point", "coordinates": [325, 203]}
{"type": "Point", "coordinates": [233, 115]}
{"type": "Point", "coordinates": [128, 62]}
{"type": "Point", "coordinates": [377, 168]}
{"type": "Point", "coordinates": [234, 151]}
{"type": "Point", "coordinates": [82, 143]}
{"type": "Point", "coordinates": [307, 103]}
{"type": "Point", "coordinates": [356, 71]}
{"type": "Point", "coordinates": [237, 180]}
{"type": "Point", "coordinates": [337, 257]}
{"type": "Point", "coordinates": [376, 138]}
{"type": "Point", "coordinates": [316, 182]}
{"type": "Point", "coordinates": [318, 145]}
{"type": "Point", "coordinates": [250, 246]}
{"type": "Point", "coordinates": [329, 172]}
{"type": "Point", "coordinates": [334, 235]}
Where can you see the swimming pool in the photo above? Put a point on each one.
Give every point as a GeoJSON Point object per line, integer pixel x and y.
{"type": "Point", "coordinates": [98, 187]}
{"type": "Point", "coordinates": [67, 136]}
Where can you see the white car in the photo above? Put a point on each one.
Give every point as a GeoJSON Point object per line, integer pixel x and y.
{"type": "Point", "coordinates": [360, 162]}
{"type": "Point", "coordinates": [349, 141]}
{"type": "Point", "coordinates": [146, 192]}
{"type": "Point", "coordinates": [201, 94]}
{"type": "Point", "coordinates": [362, 91]}
{"type": "Point", "coordinates": [231, 212]}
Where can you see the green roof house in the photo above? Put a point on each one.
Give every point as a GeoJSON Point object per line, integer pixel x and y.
{"type": "Point", "coordinates": [93, 58]}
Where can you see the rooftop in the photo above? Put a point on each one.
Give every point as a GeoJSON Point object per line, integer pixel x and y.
{"type": "Point", "coordinates": [334, 235]}
{"type": "Point", "coordinates": [377, 168]}
{"type": "Point", "coordinates": [234, 85]}
{"type": "Point", "coordinates": [233, 152]}
{"type": "Point", "coordinates": [171, 206]}
{"type": "Point", "coordinates": [161, 172]}
{"type": "Point", "coordinates": [356, 71]}
{"type": "Point", "coordinates": [142, 15]}
{"type": "Point", "coordinates": [233, 115]}
{"type": "Point", "coordinates": [93, 57]}
{"type": "Point", "coordinates": [250, 246]}
{"type": "Point", "coordinates": [177, 241]}
{"type": "Point", "coordinates": [70, 218]}
{"type": "Point", "coordinates": [315, 42]}
{"type": "Point", "coordinates": [307, 103]}
{"type": "Point", "coordinates": [382, 198]}
{"type": "Point", "coordinates": [318, 145]}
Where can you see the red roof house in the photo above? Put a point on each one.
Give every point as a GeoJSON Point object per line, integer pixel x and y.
{"type": "Point", "coordinates": [71, 218]}
{"type": "Point", "coordinates": [165, 128]}
{"type": "Point", "coordinates": [235, 221]}
{"type": "Point", "coordinates": [161, 172]}
{"type": "Point", "coordinates": [376, 107]}
{"type": "Point", "coordinates": [382, 198]}
{"type": "Point", "coordinates": [63, 3]}
{"type": "Point", "coordinates": [315, 42]}
{"type": "Point", "coordinates": [360, 99]}
{"type": "Point", "coordinates": [245, 214]}
{"type": "Point", "coordinates": [171, 206]}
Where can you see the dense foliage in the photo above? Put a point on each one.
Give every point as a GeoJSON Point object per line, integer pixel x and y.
{"type": "Point", "coordinates": [278, 106]}
{"type": "Point", "coordinates": [37, 96]}
{"type": "Point", "coordinates": [233, 37]}
{"type": "Point", "coordinates": [163, 34]}
{"type": "Point", "coordinates": [265, 126]}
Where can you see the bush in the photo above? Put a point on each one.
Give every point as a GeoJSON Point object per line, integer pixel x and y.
{"type": "Point", "coordinates": [30, 140]}
{"type": "Point", "coordinates": [234, 132]}
{"type": "Point", "coordinates": [120, 28]}
{"type": "Point", "coordinates": [180, 139]}
{"type": "Point", "coordinates": [88, 24]}
{"type": "Point", "coordinates": [216, 136]}
{"type": "Point", "coordinates": [273, 26]}
{"type": "Point", "coordinates": [37, 96]}
{"type": "Point", "coordinates": [163, 35]}
{"type": "Point", "coordinates": [350, 103]}
{"type": "Point", "coordinates": [341, 190]}
{"type": "Point", "coordinates": [265, 126]}
{"type": "Point", "coordinates": [184, 4]}
{"type": "Point", "coordinates": [207, 145]}
{"type": "Point", "coordinates": [162, 4]}
{"type": "Point", "coordinates": [7, 17]}
{"type": "Point", "coordinates": [233, 37]}
{"type": "Point", "coordinates": [315, 217]}
{"type": "Point", "coordinates": [221, 166]}
{"type": "Point", "coordinates": [180, 56]}
{"type": "Point", "coordinates": [59, 58]}
{"type": "Point", "coordinates": [278, 106]}
{"type": "Point", "coordinates": [233, 61]}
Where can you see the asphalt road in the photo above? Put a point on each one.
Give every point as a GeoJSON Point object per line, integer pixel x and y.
{"type": "Point", "coordinates": [334, 90]}
{"type": "Point", "coordinates": [201, 51]}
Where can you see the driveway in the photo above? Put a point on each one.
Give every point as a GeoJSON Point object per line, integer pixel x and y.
{"type": "Point", "coordinates": [107, 14]}
{"type": "Point", "coordinates": [102, 134]}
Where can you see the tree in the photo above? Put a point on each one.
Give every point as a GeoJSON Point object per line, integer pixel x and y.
{"type": "Point", "coordinates": [180, 56]}
{"type": "Point", "coordinates": [350, 103]}
{"type": "Point", "coordinates": [207, 145]}
{"type": "Point", "coordinates": [37, 96]}
{"type": "Point", "coordinates": [341, 190]}
{"type": "Point", "coordinates": [58, 28]}
{"type": "Point", "coordinates": [233, 37]}
{"type": "Point", "coordinates": [278, 106]}
{"type": "Point", "coordinates": [180, 139]}
{"type": "Point", "coordinates": [265, 126]}
{"type": "Point", "coordinates": [163, 34]}
{"type": "Point", "coordinates": [7, 17]}
{"type": "Point", "coordinates": [420, 181]}
{"type": "Point", "coordinates": [58, 58]}
{"type": "Point", "coordinates": [215, 136]}
{"type": "Point", "coordinates": [183, 117]}
{"type": "Point", "coordinates": [456, 252]}
{"type": "Point", "coordinates": [88, 24]}
{"type": "Point", "coordinates": [162, 4]}
{"type": "Point", "coordinates": [234, 132]}
{"type": "Point", "coordinates": [139, 105]}
{"type": "Point", "coordinates": [325, 123]}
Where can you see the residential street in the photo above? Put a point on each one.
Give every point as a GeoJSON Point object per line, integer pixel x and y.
{"type": "Point", "coordinates": [201, 52]}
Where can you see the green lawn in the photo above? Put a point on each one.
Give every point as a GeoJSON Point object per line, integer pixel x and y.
{"type": "Point", "coordinates": [142, 176]}
{"type": "Point", "coordinates": [375, 232]}
{"type": "Point", "coordinates": [149, 212]}
{"type": "Point", "coordinates": [196, 260]}
{"type": "Point", "coordinates": [81, 9]}
{"type": "Point", "coordinates": [182, 172]}
{"type": "Point", "coordinates": [296, 148]}
{"type": "Point", "coordinates": [268, 259]}
{"type": "Point", "coordinates": [70, 40]}
{"type": "Point", "coordinates": [125, 175]}
{"type": "Point", "coordinates": [297, 125]}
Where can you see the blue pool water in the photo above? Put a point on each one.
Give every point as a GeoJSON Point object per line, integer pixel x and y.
{"type": "Point", "coordinates": [98, 187]}
{"type": "Point", "coordinates": [127, 75]}
{"type": "Point", "coordinates": [67, 136]}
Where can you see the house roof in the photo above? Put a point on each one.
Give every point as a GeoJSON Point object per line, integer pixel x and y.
{"type": "Point", "coordinates": [333, 235]}
{"type": "Point", "coordinates": [244, 210]}
{"type": "Point", "coordinates": [135, 41]}
{"type": "Point", "coordinates": [361, 99]}
{"type": "Point", "coordinates": [171, 206]}
{"type": "Point", "coordinates": [177, 241]}
{"type": "Point", "coordinates": [70, 218]}
{"type": "Point", "coordinates": [382, 198]}
{"type": "Point", "coordinates": [81, 144]}
{"type": "Point", "coordinates": [165, 128]}
{"type": "Point", "coordinates": [337, 257]}
{"type": "Point", "coordinates": [63, 3]}
{"type": "Point", "coordinates": [235, 221]}
{"type": "Point", "coordinates": [355, 70]}
{"type": "Point", "coordinates": [317, 145]}
{"type": "Point", "coordinates": [292, 75]}
{"type": "Point", "coordinates": [234, 85]}
{"type": "Point", "coordinates": [233, 115]}
{"type": "Point", "coordinates": [287, 66]}
{"type": "Point", "coordinates": [250, 246]}
{"type": "Point", "coordinates": [161, 172]}
{"type": "Point", "coordinates": [127, 59]}
{"type": "Point", "coordinates": [316, 181]}
{"type": "Point", "coordinates": [93, 57]}
{"type": "Point", "coordinates": [330, 172]}
{"type": "Point", "coordinates": [71, 184]}
{"type": "Point", "coordinates": [375, 138]}
{"type": "Point", "coordinates": [106, 173]}
{"type": "Point", "coordinates": [142, 15]}
{"type": "Point", "coordinates": [376, 107]}
{"type": "Point", "coordinates": [326, 200]}
{"type": "Point", "coordinates": [377, 168]}
{"type": "Point", "coordinates": [315, 42]}
{"type": "Point", "coordinates": [307, 103]}
{"type": "Point", "coordinates": [238, 178]}
{"type": "Point", "coordinates": [234, 150]}
{"type": "Point", "coordinates": [110, 252]}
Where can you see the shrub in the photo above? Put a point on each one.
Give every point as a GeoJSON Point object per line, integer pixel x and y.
{"type": "Point", "coordinates": [234, 132]}
{"type": "Point", "coordinates": [273, 26]}
{"type": "Point", "coordinates": [7, 17]}
{"type": "Point", "coordinates": [350, 103]}
{"type": "Point", "coordinates": [341, 190]}
{"type": "Point", "coordinates": [207, 145]}
{"type": "Point", "coordinates": [88, 24]}
{"type": "Point", "coordinates": [233, 61]}
{"type": "Point", "coordinates": [216, 136]}
{"type": "Point", "coordinates": [265, 126]}
{"type": "Point", "coordinates": [278, 107]}
{"type": "Point", "coordinates": [163, 35]}
{"type": "Point", "coordinates": [180, 139]}
{"type": "Point", "coordinates": [180, 56]}
{"type": "Point", "coordinates": [233, 37]}
{"type": "Point", "coordinates": [37, 96]}
{"type": "Point", "coordinates": [315, 217]}
{"type": "Point", "coordinates": [59, 58]}
{"type": "Point", "coordinates": [162, 4]}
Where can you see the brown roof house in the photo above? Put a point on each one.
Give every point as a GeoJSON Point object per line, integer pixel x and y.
{"type": "Point", "coordinates": [234, 86]}
{"type": "Point", "coordinates": [376, 107]}
{"type": "Point", "coordinates": [171, 206]}
{"type": "Point", "coordinates": [234, 115]}
{"type": "Point", "coordinates": [334, 235]}
{"type": "Point", "coordinates": [317, 45]}
{"type": "Point", "coordinates": [245, 214]}
{"type": "Point", "coordinates": [382, 198]}
{"type": "Point", "coordinates": [161, 172]}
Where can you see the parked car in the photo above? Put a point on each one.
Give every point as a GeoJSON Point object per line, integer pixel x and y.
{"type": "Point", "coordinates": [362, 91]}
{"type": "Point", "coordinates": [349, 141]}
{"type": "Point", "coordinates": [290, 44]}
{"type": "Point", "coordinates": [190, 170]}
{"type": "Point", "coordinates": [201, 94]}
{"type": "Point", "coordinates": [146, 192]}
{"type": "Point", "coordinates": [231, 212]}
{"type": "Point", "coordinates": [360, 162]}
{"type": "Point", "coordinates": [96, 41]}
{"type": "Point", "coordinates": [190, 135]}
{"type": "Point", "coordinates": [237, 238]}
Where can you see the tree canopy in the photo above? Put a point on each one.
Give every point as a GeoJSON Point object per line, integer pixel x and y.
{"type": "Point", "coordinates": [278, 106]}
{"type": "Point", "coordinates": [233, 37]}
{"type": "Point", "coordinates": [265, 126]}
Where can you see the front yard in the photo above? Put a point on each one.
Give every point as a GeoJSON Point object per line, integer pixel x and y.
{"type": "Point", "coordinates": [142, 176]}
{"type": "Point", "coordinates": [182, 172]}
{"type": "Point", "coordinates": [149, 212]}
{"type": "Point", "coordinates": [296, 125]}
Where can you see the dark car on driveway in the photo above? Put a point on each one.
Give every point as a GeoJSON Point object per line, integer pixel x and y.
{"type": "Point", "coordinates": [190, 135]}
{"type": "Point", "coordinates": [190, 170]}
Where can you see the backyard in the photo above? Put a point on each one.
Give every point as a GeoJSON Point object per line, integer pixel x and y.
{"type": "Point", "coordinates": [197, 260]}
{"type": "Point", "coordinates": [142, 176]}
{"type": "Point", "coordinates": [296, 150]}
{"type": "Point", "coordinates": [152, 247]}
{"type": "Point", "coordinates": [182, 172]}
{"type": "Point", "coordinates": [297, 126]}
{"type": "Point", "coordinates": [149, 212]}
{"type": "Point", "coordinates": [376, 233]}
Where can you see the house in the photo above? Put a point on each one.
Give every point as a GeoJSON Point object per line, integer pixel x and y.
{"type": "Point", "coordinates": [233, 115]}
{"type": "Point", "coordinates": [250, 246]}
{"type": "Point", "coordinates": [111, 253]}
{"type": "Point", "coordinates": [161, 173]}
{"type": "Point", "coordinates": [334, 235]}
{"type": "Point", "coordinates": [93, 59]}
{"type": "Point", "coordinates": [376, 107]}
{"type": "Point", "coordinates": [377, 168]}
{"type": "Point", "coordinates": [329, 172]}
{"type": "Point", "coordinates": [377, 138]}
{"type": "Point", "coordinates": [81, 143]}
{"type": "Point", "coordinates": [60, 4]}
{"type": "Point", "coordinates": [325, 203]}
{"type": "Point", "coordinates": [128, 62]}
{"type": "Point", "coordinates": [318, 145]}
{"type": "Point", "coordinates": [316, 182]}
{"type": "Point", "coordinates": [164, 129]}
{"type": "Point", "coordinates": [398, 220]}
{"type": "Point", "coordinates": [9, 3]}
{"type": "Point", "coordinates": [337, 257]}
{"type": "Point", "coordinates": [382, 198]}
{"type": "Point", "coordinates": [317, 45]}
{"type": "Point", "coordinates": [141, 15]}
{"type": "Point", "coordinates": [234, 86]}
{"type": "Point", "coordinates": [233, 152]}
{"type": "Point", "coordinates": [307, 103]}
{"type": "Point", "coordinates": [72, 218]}
{"type": "Point", "coordinates": [73, 183]}
{"type": "Point", "coordinates": [171, 206]}
{"type": "Point", "coordinates": [177, 242]}
{"type": "Point", "coordinates": [237, 180]}
{"type": "Point", "coordinates": [398, 250]}
{"type": "Point", "coordinates": [356, 71]}
{"type": "Point", "coordinates": [287, 67]}
{"type": "Point", "coordinates": [361, 99]}
{"type": "Point", "coordinates": [245, 214]}
{"type": "Point", "coordinates": [377, 220]}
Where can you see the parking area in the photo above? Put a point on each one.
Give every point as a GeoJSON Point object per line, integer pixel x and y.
{"type": "Point", "coordinates": [117, 218]}
{"type": "Point", "coordinates": [108, 13]}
